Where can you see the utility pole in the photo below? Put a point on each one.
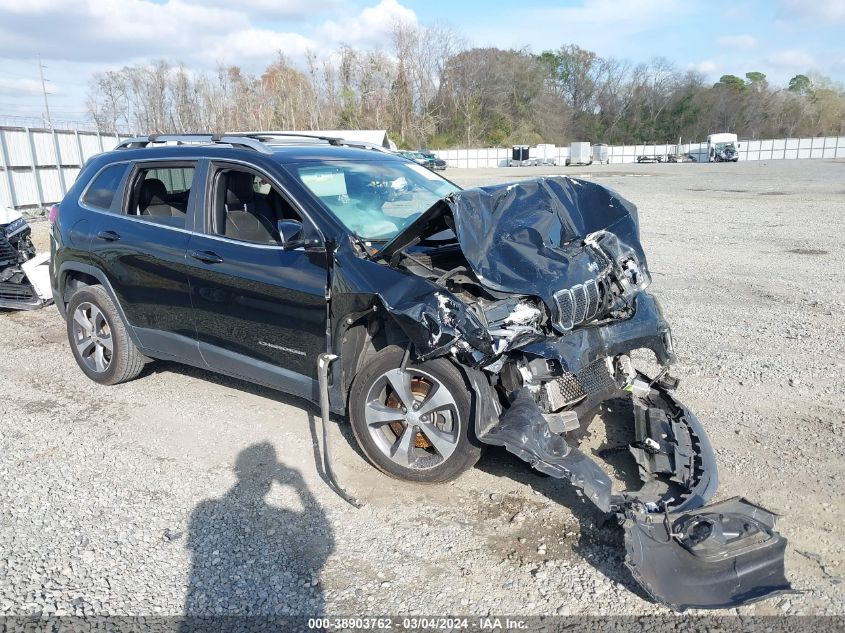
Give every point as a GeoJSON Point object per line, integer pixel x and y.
{"type": "Point", "coordinates": [44, 92]}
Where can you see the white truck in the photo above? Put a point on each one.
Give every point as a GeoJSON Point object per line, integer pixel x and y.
{"type": "Point", "coordinates": [580, 153]}
{"type": "Point", "coordinates": [722, 148]}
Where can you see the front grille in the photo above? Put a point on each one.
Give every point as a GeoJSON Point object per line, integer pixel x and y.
{"type": "Point", "coordinates": [16, 292]}
{"type": "Point", "coordinates": [565, 309]}
{"type": "Point", "coordinates": [569, 389]}
{"type": "Point", "coordinates": [596, 378]}
{"type": "Point", "coordinates": [579, 296]}
{"type": "Point", "coordinates": [580, 303]}
{"type": "Point", "coordinates": [8, 253]}
{"type": "Point", "coordinates": [561, 392]}
{"type": "Point", "coordinates": [593, 296]}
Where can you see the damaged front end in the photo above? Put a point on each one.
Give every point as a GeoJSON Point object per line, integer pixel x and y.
{"type": "Point", "coordinates": [538, 291]}
{"type": "Point", "coordinates": [24, 277]}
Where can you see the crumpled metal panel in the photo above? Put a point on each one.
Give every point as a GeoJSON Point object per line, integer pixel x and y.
{"type": "Point", "coordinates": [527, 237]}
{"type": "Point", "coordinates": [523, 431]}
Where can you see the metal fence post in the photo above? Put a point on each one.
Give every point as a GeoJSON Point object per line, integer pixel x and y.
{"type": "Point", "coordinates": [57, 149]}
{"type": "Point", "coordinates": [7, 168]}
{"type": "Point", "coordinates": [80, 155]}
{"type": "Point", "coordinates": [34, 162]}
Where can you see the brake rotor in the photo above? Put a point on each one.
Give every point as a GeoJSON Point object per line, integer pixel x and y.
{"type": "Point", "coordinates": [420, 389]}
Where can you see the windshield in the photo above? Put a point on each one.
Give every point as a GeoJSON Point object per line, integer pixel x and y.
{"type": "Point", "coordinates": [723, 146]}
{"type": "Point", "coordinates": [375, 200]}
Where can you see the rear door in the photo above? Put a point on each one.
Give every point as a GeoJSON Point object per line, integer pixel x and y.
{"type": "Point", "coordinates": [259, 306]}
{"type": "Point", "coordinates": [140, 246]}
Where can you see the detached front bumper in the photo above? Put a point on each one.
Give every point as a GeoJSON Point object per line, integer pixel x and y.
{"type": "Point", "coordinates": [684, 553]}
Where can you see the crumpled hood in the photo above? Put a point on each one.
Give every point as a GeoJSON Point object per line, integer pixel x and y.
{"type": "Point", "coordinates": [8, 215]}
{"type": "Point", "coordinates": [528, 237]}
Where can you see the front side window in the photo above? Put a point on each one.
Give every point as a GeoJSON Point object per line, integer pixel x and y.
{"type": "Point", "coordinates": [373, 199]}
{"type": "Point", "coordinates": [247, 208]}
{"type": "Point", "coordinates": [160, 194]}
{"type": "Point", "coordinates": [101, 193]}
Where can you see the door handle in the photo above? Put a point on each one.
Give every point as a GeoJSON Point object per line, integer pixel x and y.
{"type": "Point", "coordinates": [109, 236]}
{"type": "Point", "coordinates": [209, 257]}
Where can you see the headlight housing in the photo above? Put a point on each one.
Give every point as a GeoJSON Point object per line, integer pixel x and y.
{"type": "Point", "coordinates": [15, 226]}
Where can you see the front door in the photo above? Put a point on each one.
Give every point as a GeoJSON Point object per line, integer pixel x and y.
{"type": "Point", "coordinates": [259, 307]}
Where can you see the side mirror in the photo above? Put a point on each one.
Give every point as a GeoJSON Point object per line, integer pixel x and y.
{"type": "Point", "coordinates": [290, 231]}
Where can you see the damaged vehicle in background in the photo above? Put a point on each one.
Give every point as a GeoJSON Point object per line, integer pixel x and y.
{"type": "Point", "coordinates": [24, 276]}
{"type": "Point", "coordinates": [722, 148]}
{"type": "Point", "coordinates": [438, 320]}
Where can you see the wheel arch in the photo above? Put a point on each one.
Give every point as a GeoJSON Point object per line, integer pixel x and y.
{"type": "Point", "coordinates": [357, 338]}
{"type": "Point", "coordinates": [75, 275]}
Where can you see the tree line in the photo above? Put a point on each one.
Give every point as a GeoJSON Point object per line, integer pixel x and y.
{"type": "Point", "coordinates": [429, 89]}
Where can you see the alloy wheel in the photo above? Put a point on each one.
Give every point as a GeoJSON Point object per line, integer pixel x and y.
{"type": "Point", "coordinates": [92, 337]}
{"type": "Point", "coordinates": [412, 418]}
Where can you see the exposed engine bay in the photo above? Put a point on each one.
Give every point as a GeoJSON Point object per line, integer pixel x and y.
{"type": "Point", "coordinates": [538, 291]}
{"type": "Point", "coordinates": [24, 278]}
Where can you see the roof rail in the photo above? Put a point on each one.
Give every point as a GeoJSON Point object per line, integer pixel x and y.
{"type": "Point", "coordinates": [251, 140]}
{"type": "Point", "coordinates": [331, 140]}
{"type": "Point", "coordinates": [196, 139]}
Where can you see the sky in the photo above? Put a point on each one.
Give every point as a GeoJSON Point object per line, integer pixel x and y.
{"type": "Point", "coordinates": [77, 38]}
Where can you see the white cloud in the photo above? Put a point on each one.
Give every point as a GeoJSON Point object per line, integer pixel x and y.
{"type": "Point", "coordinates": [372, 26]}
{"type": "Point", "coordinates": [604, 12]}
{"type": "Point", "coordinates": [791, 59]}
{"type": "Point", "coordinates": [706, 67]}
{"type": "Point", "coordinates": [827, 10]}
{"type": "Point", "coordinates": [18, 87]}
{"type": "Point", "coordinates": [257, 44]}
{"type": "Point", "coordinates": [738, 41]}
{"type": "Point", "coordinates": [199, 33]}
{"type": "Point", "coordinates": [276, 9]}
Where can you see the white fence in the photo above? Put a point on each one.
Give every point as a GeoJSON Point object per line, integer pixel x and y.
{"type": "Point", "coordinates": [38, 166]}
{"type": "Point", "coordinates": [771, 149]}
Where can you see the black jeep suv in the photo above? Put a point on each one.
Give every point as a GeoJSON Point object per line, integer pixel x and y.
{"type": "Point", "coordinates": [502, 315]}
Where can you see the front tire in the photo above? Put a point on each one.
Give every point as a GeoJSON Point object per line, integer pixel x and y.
{"type": "Point", "coordinates": [414, 424]}
{"type": "Point", "coordinates": [99, 340]}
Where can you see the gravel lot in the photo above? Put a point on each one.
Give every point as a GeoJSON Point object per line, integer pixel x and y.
{"type": "Point", "coordinates": [186, 490]}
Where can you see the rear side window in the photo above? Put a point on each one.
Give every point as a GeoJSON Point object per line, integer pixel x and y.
{"type": "Point", "coordinates": [101, 192]}
{"type": "Point", "coordinates": [161, 194]}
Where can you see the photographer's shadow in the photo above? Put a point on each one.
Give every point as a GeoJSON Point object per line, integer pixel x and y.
{"type": "Point", "coordinates": [250, 558]}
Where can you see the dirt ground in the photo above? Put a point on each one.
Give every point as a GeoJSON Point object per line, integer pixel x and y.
{"type": "Point", "coordinates": [130, 499]}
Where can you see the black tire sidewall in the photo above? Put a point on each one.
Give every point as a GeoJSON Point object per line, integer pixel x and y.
{"type": "Point", "coordinates": [95, 295]}
{"type": "Point", "coordinates": [466, 453]}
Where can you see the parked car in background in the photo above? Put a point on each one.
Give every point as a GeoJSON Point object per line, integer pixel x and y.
{"type": "Point", "coordinates": [417, 157]}
{"type": "Point", "coordinates": [434, 162]}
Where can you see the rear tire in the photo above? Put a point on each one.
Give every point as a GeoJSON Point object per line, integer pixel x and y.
{"type": "Point", "coordinates": [433, 439]}
{"type": "Point", "coordinates": [99, 340]}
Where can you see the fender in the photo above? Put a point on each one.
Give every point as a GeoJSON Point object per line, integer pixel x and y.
{"type": "Point", "coordinates": [100, 276]}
